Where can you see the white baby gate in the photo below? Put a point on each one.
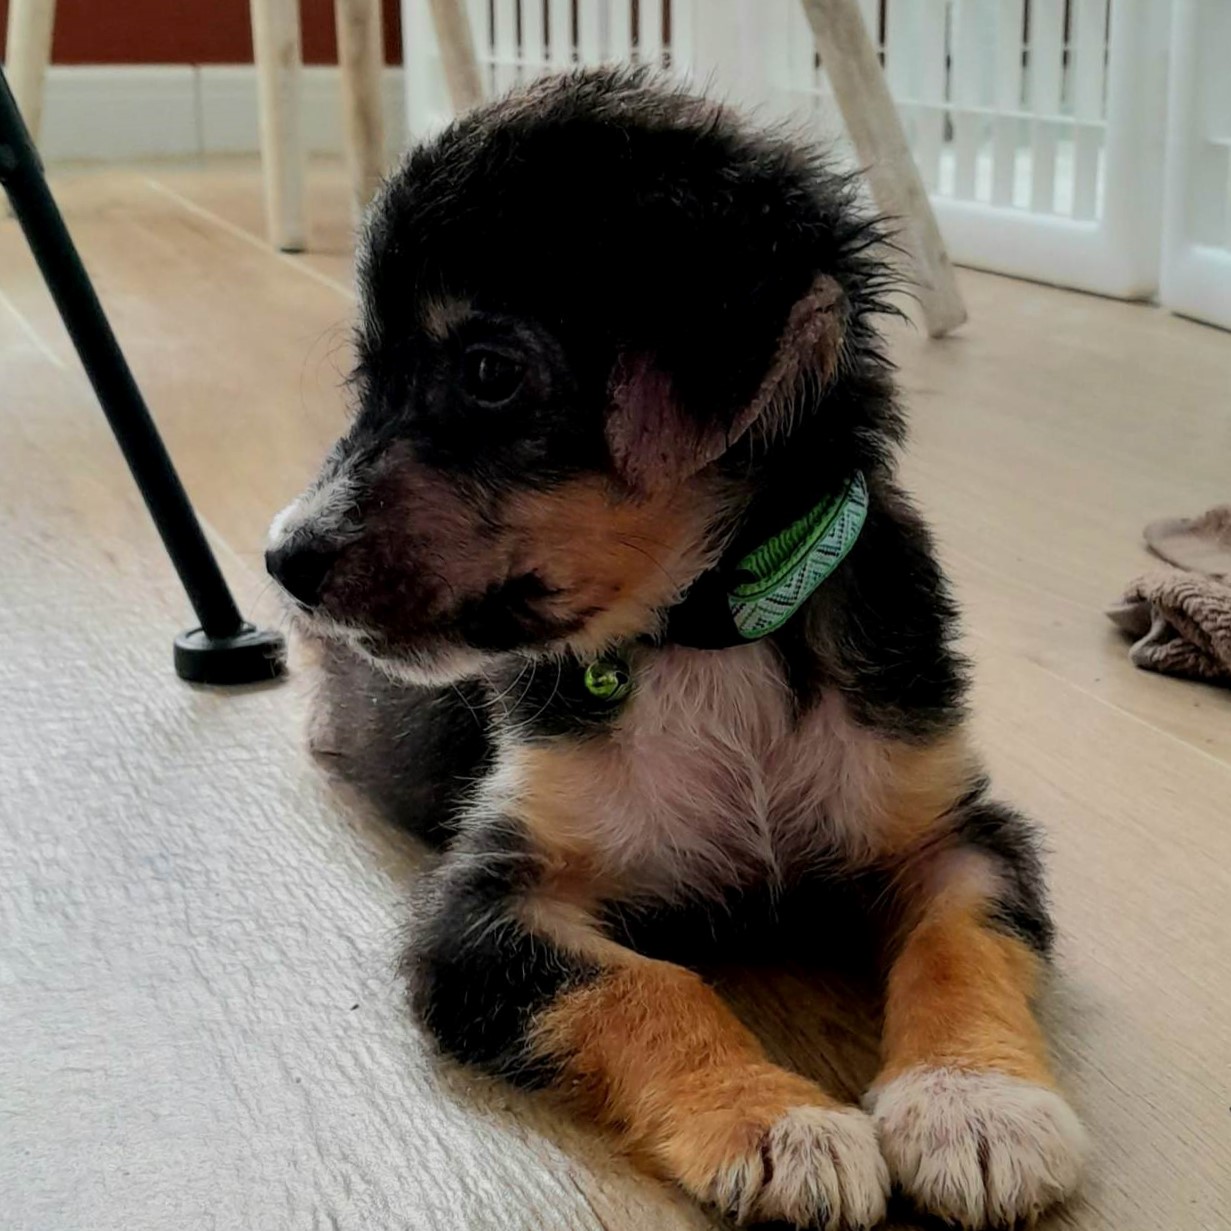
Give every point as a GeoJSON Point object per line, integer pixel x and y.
{"type": "Point", "coordinates": [1041, 127]}
{"type": "Point", "coordinates": [1197, 223]}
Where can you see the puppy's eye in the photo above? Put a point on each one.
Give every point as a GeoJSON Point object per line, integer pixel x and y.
{"type": "Point", "coordinates": [491, 377]}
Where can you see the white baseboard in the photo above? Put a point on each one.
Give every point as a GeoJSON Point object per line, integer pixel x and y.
{"type": "Point", "coordinates": [123, 112]}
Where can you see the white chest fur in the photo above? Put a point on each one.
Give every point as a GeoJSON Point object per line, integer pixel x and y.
{"type": "Point", "coordinates": [710, 778]}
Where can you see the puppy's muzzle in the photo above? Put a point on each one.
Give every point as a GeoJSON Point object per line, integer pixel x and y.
{"type": "Point", "coordinates": [301, 566]}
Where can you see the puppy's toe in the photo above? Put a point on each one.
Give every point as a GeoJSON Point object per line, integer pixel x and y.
{"type": "Point", "coordinates": [978, 1148]}
{"type": "Point", "coordinates": [813, 1167]}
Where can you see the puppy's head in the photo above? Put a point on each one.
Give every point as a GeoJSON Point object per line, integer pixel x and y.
{"type": "Point", "coordinates": [586, 311]}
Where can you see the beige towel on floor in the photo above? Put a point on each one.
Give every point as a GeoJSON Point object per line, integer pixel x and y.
{"type": "Point", "coordinates": [1181, 617]}
{"type": "Point", "coordinates": [1197, 544]}
{"type": "Point", "coordinates": [1182, 623]}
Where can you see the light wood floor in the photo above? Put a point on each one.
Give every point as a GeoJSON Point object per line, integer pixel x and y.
{"type": "Point", "coordinates": [199, 1021]}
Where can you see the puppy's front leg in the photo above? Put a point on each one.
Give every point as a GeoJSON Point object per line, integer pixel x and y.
{"type": "Point", "coordinates": [511, 977]}
{"type": "Point", "coordinates": [971, 1123]}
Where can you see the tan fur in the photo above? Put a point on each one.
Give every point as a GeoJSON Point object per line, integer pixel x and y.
{"type": "Point", "coordinates": [959, 996]}
{"type": "Point", "coordinates": [618, 557]}
{"type": "Point", "coordinates": [709, 779]}
{"type": "Point", "coordinates": [966, 1108]}
{"type": "Point", "coordinates": [650, 1051]}
{"type": "Point", "coordinates": [652, 1054]}
{"type": "Point", "coordinates": [921, 784]}
{"type": "Point", "coordinates": [549, 800]}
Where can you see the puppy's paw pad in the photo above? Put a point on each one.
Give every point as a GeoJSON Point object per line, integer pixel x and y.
{"type": "Point", "coordinates": [980, 1149]}
{"type": "Point", "coordinates": [813, 1167]}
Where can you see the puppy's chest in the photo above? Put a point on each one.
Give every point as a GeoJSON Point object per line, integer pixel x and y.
{"type": "Point", "coordinates": [712, 779]}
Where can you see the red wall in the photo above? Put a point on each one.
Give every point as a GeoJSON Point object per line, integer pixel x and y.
{"type": "Point", "coordinates": [185, 32]}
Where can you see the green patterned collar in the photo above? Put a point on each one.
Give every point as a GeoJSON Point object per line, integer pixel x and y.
{"type": "Point", "coordinates": [785, 571]}
{"type": "Point", "coordinates": [759, 595]}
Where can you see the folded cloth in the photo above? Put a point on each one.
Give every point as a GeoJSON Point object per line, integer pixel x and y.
{"type": "Point", "coordinates": [1182, 622]}
{"type": "Point", "coordinates": [1198, 544]}
{"type": "Point", "coordinates": [1181, 617]}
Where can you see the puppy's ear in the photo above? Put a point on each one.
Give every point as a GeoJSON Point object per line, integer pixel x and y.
{"type": "Point", "coordinates": [655, 440]}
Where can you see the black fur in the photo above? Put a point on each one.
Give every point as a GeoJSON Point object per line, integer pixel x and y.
{"type": "Point", "coordinates": [415, 752]}
{"type": "Point", "coordinates": [645, 186]}
{"type": "Point", "coordinates": [505, 617]}
{"type": "Point", "coordinates": [476, 975]}
{"type": "Point", "coordinates": [548, 700]}
{"type": "Point", "coordinates": [820, 920]}
{"type": "Point", "coordinates": [882, 629]}
{"type": "Point", "coordinates": [587, 220]}
{"type": "Point", "coordinates": [1013, 842]}
{"type": "Point", "coordinates": [642, 181]}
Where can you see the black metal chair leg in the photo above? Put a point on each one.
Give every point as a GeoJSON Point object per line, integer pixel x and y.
{"type": "Point", "coordinates": [224, 649]}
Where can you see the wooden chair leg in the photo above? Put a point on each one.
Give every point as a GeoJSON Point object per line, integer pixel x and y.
{"type": "Point", "coordinates": [361, 57]}
{"type": "Point", "coordinates": [461, 65]}
{"type": "Point", "coordinates": [28, 52]}
{"type": "Point", "coordinates": [279, 68]}
{"type": "Point", "coordinates": [872, 120]}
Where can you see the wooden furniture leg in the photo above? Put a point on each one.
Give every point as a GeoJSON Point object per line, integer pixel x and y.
{"type": "Point", "coordinates": [279, 67]}
{"type": "Point", "coordinates": [360, 59]}
{"type": "Point", "coordinates": [850, 59]}
{"type": "Point", "coordinates": [461, 65]}
{"type": "Point", "coordinates": [28, 52]}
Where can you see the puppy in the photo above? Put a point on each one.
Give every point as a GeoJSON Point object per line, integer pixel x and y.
{"type": "Point", "coordinates": [626, 612]}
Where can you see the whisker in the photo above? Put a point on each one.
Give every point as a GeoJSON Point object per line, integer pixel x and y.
{"type": "Point", "coordinates": [470, 709]}
{"type": "Point", "coordinates": [517, 680]}
{"type": "Point", "coordinates": [555, 692]}
{"type": "Point", "coordinates": [652, 559]}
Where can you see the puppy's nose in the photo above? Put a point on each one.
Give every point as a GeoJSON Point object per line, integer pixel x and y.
{"type": "Point", "coordinates": [300, 568]}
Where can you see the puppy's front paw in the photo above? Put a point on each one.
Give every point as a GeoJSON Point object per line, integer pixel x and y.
{"type": "Point", "coordinates": [812, 1167]}
{"type": "Point", "coordinates": [978, 1148]}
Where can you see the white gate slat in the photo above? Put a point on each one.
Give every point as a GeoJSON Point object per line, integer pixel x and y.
{"type": "Point", "coordinates": [481, 32]}
{"type": "Point", "coordinates": [424, 77]}
{"type": "Point", "coordinates": [1226, 219]}
{"type": "Point", "coordinates": [779, 80]}
{"type": "Point", "coordinates": [560, 32]}
{"type": "Point", "coordinates": [752, 57]}
{"type": "Point", "coordinates": [590, 14]}
{"type": "Point", "coordinates": [1014, 100]}
{"type": "Point", "coordinates": [1196, 267]}
{"type": "Point", "coordinates": [1087, 61]}
{"type": "Point", "coordinates": [1006, 127]}
{"type": "Point", "coordinates": [1046, 63]}
{"type": "Point", "coordinates": [533, 55]}
{"type": "Point", "coordinates": [504, 43]}
{"type": "Point", "coordinates": [801, 55]}
{"type": "Point", "coordinates": [683, 37]}
{"type": "Point", "coordinates": [870, 10]}
{"type": "Point", "coordinates": [966, 96]}
{"type": "Point", "coordinates": [650, 32]}
{"type": "Point", "coordinates": [930, 115]}
{"type": "Point", "coordinates": [619, 30]}
{"type": "Point", "coordinates": [897, 54]}
{"type": "Point", "coordinates": [904, 32]}
{"type": "Point", "coordinates": [901, 50]}
{"type": "Point", "coordinates": [795, 63]}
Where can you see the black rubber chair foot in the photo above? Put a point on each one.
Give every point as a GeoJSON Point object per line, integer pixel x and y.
{"type": "Point", "coordinates": [250, 657]}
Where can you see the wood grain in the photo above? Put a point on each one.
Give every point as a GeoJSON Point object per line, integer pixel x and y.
{"type": "Point", "coordinates": [361, 58]}
{"type": "Point", "coordinates": [190, 912]}
{"type": "Point", "coordinates": [850, 59]}
{"type": "Point", "coordinates": [455, 38]}
{"type": "Point", "coordinates": [278, 54]}
{"type": "Point", "coordinates": [30, 25]}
